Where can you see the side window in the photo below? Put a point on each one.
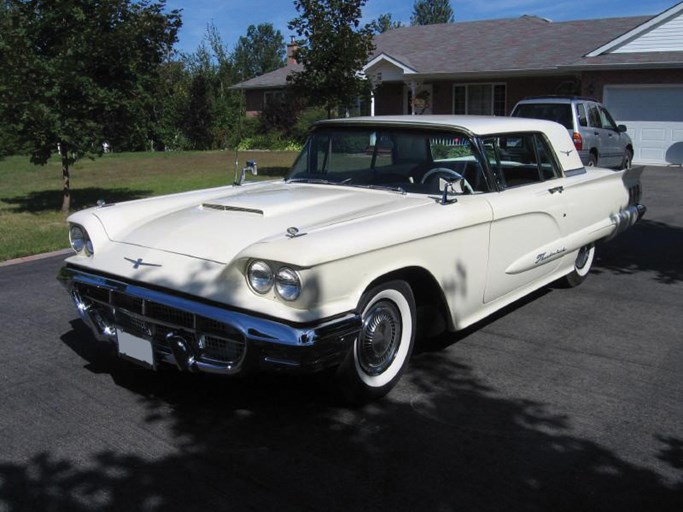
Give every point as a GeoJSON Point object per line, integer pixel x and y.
{"type": "Point", "coordinates": [546, 161]}
{"type": "Point", "coordinates": [594, 116]}
{"type": "Point", "coordinates": [581, 113]}
{"type": "Point", "coordinates": [521, 159]}
{"type": "Point", "coordinates": [606, 119]}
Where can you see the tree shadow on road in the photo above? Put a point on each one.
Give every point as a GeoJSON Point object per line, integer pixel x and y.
{"type": "Point", "coordinates": [649, 246]}
{"type": "Point", "coordinates": [453, 442]}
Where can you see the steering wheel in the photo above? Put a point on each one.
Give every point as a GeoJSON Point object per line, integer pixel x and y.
{"type": "Point", "coordinates": [449, 172]}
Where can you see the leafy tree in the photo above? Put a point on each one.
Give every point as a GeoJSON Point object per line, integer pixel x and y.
{"type": "Point", "coordinates": [77, 73]}
{"type": "Point", "coordinates": [171, 106]}
{"type": "Point", "coordinates": [430, 12]}
{"type": "Point", "coordinates": [199, 119]}
{"type": "Point", "coordinates": [384, 23]}
{"type": "Point", "coordinates": [212, 110]}
{"type": "Point", "coordinates": [262, 50]}
{"type": "Point", "coordinates": [333, 48]}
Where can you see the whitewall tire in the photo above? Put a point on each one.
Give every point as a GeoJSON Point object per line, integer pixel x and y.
{"type": "Point", "coordinates": [582, 266]}
{"type": "Point", "coordinates": [382, 350]}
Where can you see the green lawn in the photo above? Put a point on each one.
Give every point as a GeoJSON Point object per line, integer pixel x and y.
{"type": "Point", "coordinates": [31, 196]}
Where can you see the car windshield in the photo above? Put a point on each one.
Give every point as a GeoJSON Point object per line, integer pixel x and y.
{"type": "Point", "coordinates": [558, 112]}
{"type": "Point", "coordinates": [407, 160]}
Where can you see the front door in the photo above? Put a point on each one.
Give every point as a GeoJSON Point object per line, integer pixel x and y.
{"type": "Point", "coordinates": [529, 214]}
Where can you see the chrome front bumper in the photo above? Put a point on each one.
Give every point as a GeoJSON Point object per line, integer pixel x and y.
{"type": "Point", "coordinates": [199, 336]}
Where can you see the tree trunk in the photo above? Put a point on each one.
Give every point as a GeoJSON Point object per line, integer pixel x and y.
{"type": "Point", "coordinates": [64, 152]}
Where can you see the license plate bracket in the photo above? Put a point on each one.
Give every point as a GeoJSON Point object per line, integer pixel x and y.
{"type": "Point", "coordinates": [136, 349]}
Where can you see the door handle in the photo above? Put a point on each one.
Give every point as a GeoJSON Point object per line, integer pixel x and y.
{"type": "Point", "coordinates": [559, 189]}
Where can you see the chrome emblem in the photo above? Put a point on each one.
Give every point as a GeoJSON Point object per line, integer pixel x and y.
{"type": "Point", "coordinates": [545, 256]}
{"type": "Point", "coordinates": [139, 263]}
{"type": "Point", "coordinates": [294, 232]}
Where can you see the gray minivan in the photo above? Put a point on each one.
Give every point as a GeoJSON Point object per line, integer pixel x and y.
{"type": "Point", "coordinates": [597, 138]}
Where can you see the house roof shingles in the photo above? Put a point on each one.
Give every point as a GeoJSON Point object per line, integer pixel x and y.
{"type": "Point", "coordinates": [274, 79]}
{"type": "Point", "coordinates": [525, 44]}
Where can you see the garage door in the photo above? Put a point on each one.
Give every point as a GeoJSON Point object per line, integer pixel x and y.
{"type": "Point", "coordinates": [654, 118]}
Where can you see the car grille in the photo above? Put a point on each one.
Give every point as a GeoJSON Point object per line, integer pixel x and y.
{"type": "Point", "coordinates": [213, 341]}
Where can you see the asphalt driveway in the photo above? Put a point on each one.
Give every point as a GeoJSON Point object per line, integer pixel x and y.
{"type": "Point", "coordinates": [569, 400]}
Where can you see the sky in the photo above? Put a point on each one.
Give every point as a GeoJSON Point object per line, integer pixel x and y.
{"type": "Point", "coordinates": [232, 17]}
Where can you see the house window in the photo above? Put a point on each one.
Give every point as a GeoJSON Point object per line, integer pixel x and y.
{"type": "Point", "coordinates": [479, 99]}
{"type": "Point", "coordinates": [273, 98]}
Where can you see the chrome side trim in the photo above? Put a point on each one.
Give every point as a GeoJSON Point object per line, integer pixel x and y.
{"type": "Point", "coordinates": [575, 172]}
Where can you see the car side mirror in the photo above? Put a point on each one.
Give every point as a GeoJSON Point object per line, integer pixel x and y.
{"type": "Point", "coordinates": [450, 187]}
{"type": "Point", "coordinates": [251, 167]}
{"type": "Point", "coordinates": [621, 128]}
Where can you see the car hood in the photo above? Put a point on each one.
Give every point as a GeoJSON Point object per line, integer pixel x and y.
{"type": "Point", "coordinates": [217, 227]}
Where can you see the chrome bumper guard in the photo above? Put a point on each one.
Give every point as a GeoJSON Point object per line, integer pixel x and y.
{"type": "Point", "coordinates": [196, 336]}
{"type": "Point", "coordinates": [627, 218]}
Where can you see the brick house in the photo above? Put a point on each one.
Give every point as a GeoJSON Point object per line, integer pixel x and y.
{"type": "Point", "coordinates": [633, 64]}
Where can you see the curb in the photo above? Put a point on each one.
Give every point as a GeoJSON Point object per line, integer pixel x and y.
{"type": "Point", "coordinates": [35, 257]}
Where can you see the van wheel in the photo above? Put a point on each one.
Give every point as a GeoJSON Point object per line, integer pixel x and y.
{"type": "Point", "coordinates": [582, 266]}
{"type": "Point", "coordinates": [382, 350]}
{"type": "Point", "coordinates": [593, 160]}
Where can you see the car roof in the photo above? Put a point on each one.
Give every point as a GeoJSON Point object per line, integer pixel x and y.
{"type": "Point", "coordinates": [556, 99]}
{"type": "Point", "coordinates": [476, 125]}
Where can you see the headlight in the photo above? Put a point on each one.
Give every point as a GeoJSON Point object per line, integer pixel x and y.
{"type": "Point", "coordinates": [287, 284]}
{"type": "Point", "coordinates": [260, 276]}
{"type": "Point", "coordinates": [80, 240]}
{"type": "Point", "coordinates": [77, 238]}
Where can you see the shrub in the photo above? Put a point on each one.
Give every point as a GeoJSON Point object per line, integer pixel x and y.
{"type": "Point", "coordinates": [270, 141]}
{"type": "Point", "coordinates": [304, 122]}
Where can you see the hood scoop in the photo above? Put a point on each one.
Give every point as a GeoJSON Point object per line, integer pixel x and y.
{"type": "Point", "coordinates": [229, 208]}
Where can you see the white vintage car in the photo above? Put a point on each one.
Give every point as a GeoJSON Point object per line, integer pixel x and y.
{"type": "Point", "coordinates": [385, 227]}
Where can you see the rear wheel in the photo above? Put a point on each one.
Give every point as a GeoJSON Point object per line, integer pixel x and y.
{"type": "Point", "coordinates": [582, 266]}
{"type": "Point", "coordinates": [593, 160]}
{"type": "Point", "coordinates": [380, 354]}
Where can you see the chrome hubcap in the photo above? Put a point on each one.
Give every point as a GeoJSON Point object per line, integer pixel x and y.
{"type": "Point", "coordinates": [582, 257]}
{"type": "Point", "coordinates": [380, 338]}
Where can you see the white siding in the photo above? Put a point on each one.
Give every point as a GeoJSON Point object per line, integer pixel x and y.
{"type": "Point", "coordinates": [387, 71]}
{"type": "Point", "coordinates": [667, 37]}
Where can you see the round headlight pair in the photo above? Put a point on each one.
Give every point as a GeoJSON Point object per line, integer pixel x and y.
{"type": "Point", "coordinates": [80, 240]}
{"type": "Point", "coordinates": [262, 279]}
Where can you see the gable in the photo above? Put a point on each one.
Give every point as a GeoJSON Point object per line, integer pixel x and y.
{"type": "Point", "coordinates": [387, 68]}
{"type": "Point", "coordinates": [663, 33]}
{"type": "Point", "coordinates": [667, 37]}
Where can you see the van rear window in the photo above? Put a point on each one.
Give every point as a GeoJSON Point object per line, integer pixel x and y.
{"type": "Point", "coordinates": [560, 113]}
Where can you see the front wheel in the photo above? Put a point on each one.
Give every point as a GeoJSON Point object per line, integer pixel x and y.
{"type": "Point", "coordinates": [381, 352]}
{"type": "Point", "coordinates": [582, 266]}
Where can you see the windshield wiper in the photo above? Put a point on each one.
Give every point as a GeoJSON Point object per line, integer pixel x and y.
{"type": "Point", "coordinates": [346, 182]}
{"type": "Point", "coordinates": [317, 181]}
{"type": "Point", "coordinates": [392, 188]}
